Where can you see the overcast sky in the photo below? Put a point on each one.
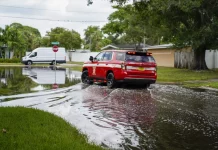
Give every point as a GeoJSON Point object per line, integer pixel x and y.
{"type": "Point", "coordinates": [67, 11]}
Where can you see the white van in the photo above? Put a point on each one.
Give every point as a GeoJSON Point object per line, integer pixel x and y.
{"type": "Point", "coordinates": [45, 55]}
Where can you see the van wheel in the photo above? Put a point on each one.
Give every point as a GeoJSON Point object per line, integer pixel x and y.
{"type": "Point", "coordinates": [29, 63]}
{"type": "Point", "coordinates": [111, 81]}
{"type": "Point", "coordinates": [53, 63]}
{"type": "Point", "coordinates": [85, 77]}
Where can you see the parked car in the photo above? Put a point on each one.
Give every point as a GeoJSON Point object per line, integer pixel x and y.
{"type": "Point", "coordinates": [116, 66]}
{"type": "Point", "coordinates": [45, 55]}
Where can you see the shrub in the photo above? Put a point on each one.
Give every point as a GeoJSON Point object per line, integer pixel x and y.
{"type": "Point", "coordinates": [13, 60]}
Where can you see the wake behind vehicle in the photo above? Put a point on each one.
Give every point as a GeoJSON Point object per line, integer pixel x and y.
{"type": "Point", "coordinates": [116, 66]}
{"type": "Point", "coordinates": [45, 55]}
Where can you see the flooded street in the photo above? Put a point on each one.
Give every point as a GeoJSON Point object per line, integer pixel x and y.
{"type": "Point", "coordinates": [163, 117]}
{"type": "Point", "coordinates": [18, 80]}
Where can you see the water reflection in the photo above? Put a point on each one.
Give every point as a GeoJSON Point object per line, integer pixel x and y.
{"type": "Point", "coordinates": [45, 75]}
{"type": "Point", "coordinates": [26, 80]}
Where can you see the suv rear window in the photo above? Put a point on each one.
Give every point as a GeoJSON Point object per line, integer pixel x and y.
{"type": "Point", "coordinates": [120, 56]}
{"type": "Point", "coordinates": [139, 58]}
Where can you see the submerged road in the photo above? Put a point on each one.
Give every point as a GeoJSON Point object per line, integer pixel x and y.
{"type": "Point", "coordinates": [163, 117]}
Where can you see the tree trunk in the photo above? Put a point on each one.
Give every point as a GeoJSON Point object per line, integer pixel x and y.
{"type": "Point", "coordinates": [20, 54]}
{"type": "Point", "coordinates": [199, 58]}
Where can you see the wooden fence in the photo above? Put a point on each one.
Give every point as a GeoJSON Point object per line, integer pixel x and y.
{"type": "Point", "coordinates": [184, 59]}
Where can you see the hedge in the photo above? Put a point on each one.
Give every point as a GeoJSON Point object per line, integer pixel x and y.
{"type": "Point", "coordinates": [13, 60]}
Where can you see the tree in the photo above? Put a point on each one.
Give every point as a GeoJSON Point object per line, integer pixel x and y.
{"type": "Point", "coordinates": [68, 39]}
{"type": "Point", "coordinates": [89, 33]}
{"type": "Point", "coordinates": [19, 38]}
{"type": "Point", "coordinates": [126, 23]}
{"type": "Point", "coordinates": [94, 39]}
{"type": "Point", "coordinates": [184, 23]}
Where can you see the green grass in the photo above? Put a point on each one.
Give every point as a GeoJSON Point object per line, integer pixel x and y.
{"type": "Point", "coordinates": [20, 64]}
{"type": "Point", "coordinates": [198, 78]}
{"type": "Point", "coordinates": [166, 74]}
{"type": "Point", "coordinates": [27, 128]}
{"type": "Point", "coordinates": [77, 63]}
{"type": "Point", "coordinates": [201, 84]}
{"type": "Point", "coordinates": [10, 64]}
{"type": "Point", "coordinates": [76, 68]}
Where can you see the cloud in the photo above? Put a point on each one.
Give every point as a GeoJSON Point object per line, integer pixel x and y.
{"type": "Point", "coordinates": [65, 10]}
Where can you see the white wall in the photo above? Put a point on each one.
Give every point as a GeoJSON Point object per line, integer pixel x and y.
{"type": "Point", "coordinates": [81, 57]}
{"type": "Point", "coordinates": [211, 58]}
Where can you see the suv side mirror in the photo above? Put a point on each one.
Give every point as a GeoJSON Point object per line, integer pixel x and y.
{"type": "Point", "coordinates": [91, 58]}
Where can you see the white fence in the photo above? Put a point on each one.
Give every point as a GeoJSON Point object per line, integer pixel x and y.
{"type": "Point", "coordinates": [211, 58]}
{"type": "Point", "coordinates": [81, 57]}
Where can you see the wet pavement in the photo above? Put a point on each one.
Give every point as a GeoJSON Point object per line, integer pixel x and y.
{"type": "Point", "coordinates": [163, 117]}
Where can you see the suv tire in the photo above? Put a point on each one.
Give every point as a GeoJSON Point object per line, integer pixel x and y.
{"type": "Point", "coordinates": [111, 81]}
{"type": "Point", "coordinates": [85, 77]}
{"type": "Point", "coordinates": [147, 86]}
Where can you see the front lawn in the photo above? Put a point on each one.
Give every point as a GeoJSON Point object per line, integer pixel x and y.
{"type": "Point", "coordinates": [188, 78]}
{"type": "Point", "coordinates": [167, 74]}
{"type": "Point", "coordinates": [27, 128]}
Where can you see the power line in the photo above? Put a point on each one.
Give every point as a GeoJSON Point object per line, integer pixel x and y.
{"type": "Point", "coordinates": [47, 19]}
{"type": "Point", "coordinates": [41, 9]}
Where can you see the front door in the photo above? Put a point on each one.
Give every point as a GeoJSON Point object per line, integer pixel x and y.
{"type": "Point", "coordinates": [104, 64]}
{"type": "Point", "coordinates": [96, 67]}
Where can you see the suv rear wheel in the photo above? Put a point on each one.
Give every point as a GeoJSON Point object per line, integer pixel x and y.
{"type": "Point", "coordinates": [111, 81]}
{"type": "Point", "coordinates": [147, 85]}
{"type": "Point", "coordinates": [85, 77]}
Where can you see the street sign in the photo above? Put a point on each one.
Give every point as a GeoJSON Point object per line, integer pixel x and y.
{"type": "Point", "coordinates": [55, 48]}
{"type": "Point", "coordinates": [55, 43]}
{"type": "Point", "coordinates": [55, 86]}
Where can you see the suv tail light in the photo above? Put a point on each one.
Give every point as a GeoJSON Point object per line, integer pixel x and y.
{"type": "Point", "coordinates": [152, 69]}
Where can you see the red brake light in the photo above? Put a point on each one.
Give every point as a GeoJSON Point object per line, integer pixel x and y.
{"type": "Point", "coordinates": [131, 53]}
{"type": "Point", "coordinates": [149, 54]}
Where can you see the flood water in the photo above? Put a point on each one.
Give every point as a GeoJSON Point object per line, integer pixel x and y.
{"type": "Point", "coordinates": [163, 117]}
{"type": "Point", "coordinates": [26, 80]}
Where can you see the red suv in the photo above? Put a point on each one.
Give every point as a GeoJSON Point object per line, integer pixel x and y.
{"type": "Point", "coordinates": [115, 66]}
